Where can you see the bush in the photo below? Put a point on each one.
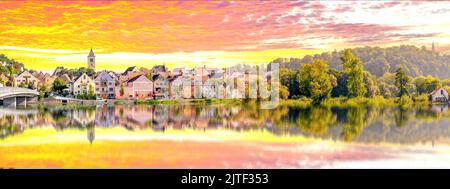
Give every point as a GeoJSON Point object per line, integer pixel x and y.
{"type": "Point", "coordinates": [421, 99]}
{"type": "Point", "coordinates": [405, 100]}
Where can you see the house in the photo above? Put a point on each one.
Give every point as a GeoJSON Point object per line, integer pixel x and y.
{"type": "Point", "coordinates": [69, 82]}
{"type": "Point", "coordinates": [115, 77]}
{"type": "Point", "coordinates": [161, 87]}
{"type": "Point", "coordinates": [178, 71]}
{"type": "Point", "coordinates": [158, 70]}
{"type": "Point", "coordinates": [104, 86]}
{"type": "Point", "coordinates": [82, 84]}
{"type": "Point", "coordinates": [439, 95]}
{"type": "Point", "coordinates": [139, 87]}
{"type": "Point", "coordinates": [44, 79]}
{"type": "Point", "coordinates": [210, 88]}
{"type": "Point", "coordinates": [65, 78]}
{"type": "Point", "coordinates": [176, 87]}
{"type": "Point", "coordinates": [129, 73]}
{"type": "Point", "coordinates": [24, 79]}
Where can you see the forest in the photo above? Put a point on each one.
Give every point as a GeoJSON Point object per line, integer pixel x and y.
{"type": "Point", "coordinates": [345, 74]}
{"type": "Point", "coordinates": [413, 60]}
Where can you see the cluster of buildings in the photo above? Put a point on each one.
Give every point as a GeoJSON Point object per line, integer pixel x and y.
{"type": "Point", "coordinates": [156, 83]}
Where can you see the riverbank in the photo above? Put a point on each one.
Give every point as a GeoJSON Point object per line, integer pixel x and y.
{"type": "Point", "coordinates": [362, 101]}
{"type": "Point", "coordinates": [301, 102]}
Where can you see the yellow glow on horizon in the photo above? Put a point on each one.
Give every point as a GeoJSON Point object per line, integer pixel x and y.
{"type": "Point", "coordinates": [48, 60]}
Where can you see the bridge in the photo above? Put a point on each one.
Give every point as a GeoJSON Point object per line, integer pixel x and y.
{"type": "Point", "coordinates": [13, 96]}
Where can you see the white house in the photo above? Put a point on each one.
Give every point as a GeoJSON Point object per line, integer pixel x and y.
{"type": "Point", "coordinates": [439, 95]}
{"type": "Point", "coordinates": [104, 86]}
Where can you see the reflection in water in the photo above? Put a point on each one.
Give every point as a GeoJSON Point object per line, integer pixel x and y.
{"type": "Point", "coordinates": [359, 124]}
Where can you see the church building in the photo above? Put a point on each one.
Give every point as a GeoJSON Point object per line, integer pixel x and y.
{"type": "Point", "coordinates": [91, 60]}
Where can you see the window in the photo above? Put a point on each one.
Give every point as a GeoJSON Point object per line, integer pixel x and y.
{"type": "Point", "coordinates": [442, 92]}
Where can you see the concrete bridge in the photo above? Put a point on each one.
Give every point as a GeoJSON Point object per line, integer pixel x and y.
{"type": "Point", "coordinates": [13, 96]}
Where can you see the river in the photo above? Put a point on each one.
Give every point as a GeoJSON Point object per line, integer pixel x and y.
{"type": "Point", "coordinates": [224, 136]}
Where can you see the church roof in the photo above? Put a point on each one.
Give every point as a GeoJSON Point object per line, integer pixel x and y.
{"type": "Point", "coordinates": [91, 53]}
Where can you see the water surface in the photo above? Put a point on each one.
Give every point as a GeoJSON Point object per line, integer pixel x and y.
{"type": "Point", "coordinates": [224, 136]}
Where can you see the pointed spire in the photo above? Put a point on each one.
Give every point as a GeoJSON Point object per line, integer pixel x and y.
{"type": "Point", "coordinates": [91, 53]}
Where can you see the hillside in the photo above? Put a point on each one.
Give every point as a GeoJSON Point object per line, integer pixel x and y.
{"type": "Point", "coordinates": [7, 64]}
{"type": "Point", "coordinates": [415, 61]}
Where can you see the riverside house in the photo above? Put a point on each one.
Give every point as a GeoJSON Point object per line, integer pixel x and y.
{"type": "Point", "coordinates": [138, 87]}
{"type": "Point", "coordinates": [161, 87]}
{"type": "Point", "coordinates": [439, 95]}
{"type": "Point", "coordinates": [82, 84]}
{"type": "Point", "coordinates": [25, 78]}
{"type": "Point", "coordinates": [104, 86]}
{"type": "Point", "coordinates": [129, 73]}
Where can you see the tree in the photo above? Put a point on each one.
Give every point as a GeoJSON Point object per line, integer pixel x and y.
{"type": "Point", "coordinates": [371, 85]}
{"type": "Point", "coordinates": [288, 78]}
{"type": "Point", "coordinates": [401, 82]}
{"type": "Point", "coordinates": [91, 94]}
{"type": "Point", "coordinates": [354, 70]}
{"type": "Point", "coordinates": [340, 86]}
{"type": "Point", "coordinates": [284, 92]}
{"type": "Point", "coordinates": [43, 91]}
{"type": "Point", "coordinates": [314, 81]}
{"type": "Point", "coordinates": [59, 85]}
{"type": "Point", "coordinates": [122, 90]}
{"type": "Point", "coordinates": [426, 84]}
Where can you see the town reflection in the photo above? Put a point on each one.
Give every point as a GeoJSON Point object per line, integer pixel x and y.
{"type": "Point", "coordinates": [358, 124]}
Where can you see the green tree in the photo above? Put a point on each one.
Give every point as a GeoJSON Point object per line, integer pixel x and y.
{"type": "Point", "coordinates": [354, 70]}
{"type": "Point", "coordinates": [43, 91]}
{"type": "Point", "coordinates": [288, 78]}
{"type": "Point", "coordinates": [426, 84]}
{"type": "Point", "coordinates": [314, 81]}
{"type": "Point", "coordinates": [284, 92]}
{"type": "Point", "coordinates": [340, 87]}
{"type": "Point", "coordinates": [59, 85]}
{"type": "Point", "coordinates": [122, 90]}
{"type": "Point", "coordinates": [371, 85]}
{"type": "Point", "coordinates": [91, 94]}
{"type": "Point", "coordinates": [401, 82]}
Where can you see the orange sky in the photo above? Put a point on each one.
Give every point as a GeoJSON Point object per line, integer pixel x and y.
{"type": "Point", "coordinates": [46, 34]}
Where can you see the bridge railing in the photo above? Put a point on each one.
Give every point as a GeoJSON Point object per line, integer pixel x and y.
{"type": "Point", "coordinates": [14, 90]}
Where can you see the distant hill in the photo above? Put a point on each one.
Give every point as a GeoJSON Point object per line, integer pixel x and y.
{"type": "Point", "coordinates": [415, 61]}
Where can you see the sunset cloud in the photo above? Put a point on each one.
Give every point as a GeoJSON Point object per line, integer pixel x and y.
{"type": "Point", "coordinates": [235, 28]}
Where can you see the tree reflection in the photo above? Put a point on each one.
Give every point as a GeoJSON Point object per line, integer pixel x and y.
{"type": "Point", "coordinates": [315, 120]}
{"type": "Point", "coordinates": [355, 123]}
{"type": "Point", "coordinates": [362, 123]}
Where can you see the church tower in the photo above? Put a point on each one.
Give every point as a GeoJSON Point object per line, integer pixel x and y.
{"type": "Point", "coordinates": [433, 48]}
{"type": "Point", "coordinates": [91, 60]}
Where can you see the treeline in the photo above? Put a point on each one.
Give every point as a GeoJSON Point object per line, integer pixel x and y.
{"type": "Point", "coordinates": [9, 67]}
{"type": "Point", "coordinates": [76, 72]}
{"type": "Point", "coordinates": [378, 61]}
{"type": "Point", "coordinates": [319, 81]}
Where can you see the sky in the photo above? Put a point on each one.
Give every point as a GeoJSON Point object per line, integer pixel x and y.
{"type": "Point", "coordinates": [47, 34]}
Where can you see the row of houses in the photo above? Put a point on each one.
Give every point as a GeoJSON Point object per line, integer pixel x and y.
{"type": "Point", "coordinates": [156, 83]}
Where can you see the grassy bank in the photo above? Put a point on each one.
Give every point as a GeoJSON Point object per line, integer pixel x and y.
{"type": "Point", "coordinates": [362, 101]}
{"type": "Point", "coordinates": [153, 102]}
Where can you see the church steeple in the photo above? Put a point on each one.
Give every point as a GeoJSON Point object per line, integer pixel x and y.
{"type": "Point", "coordinates": [91, 60]}
{"type": "Point", "coordinates": [433, 48]}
